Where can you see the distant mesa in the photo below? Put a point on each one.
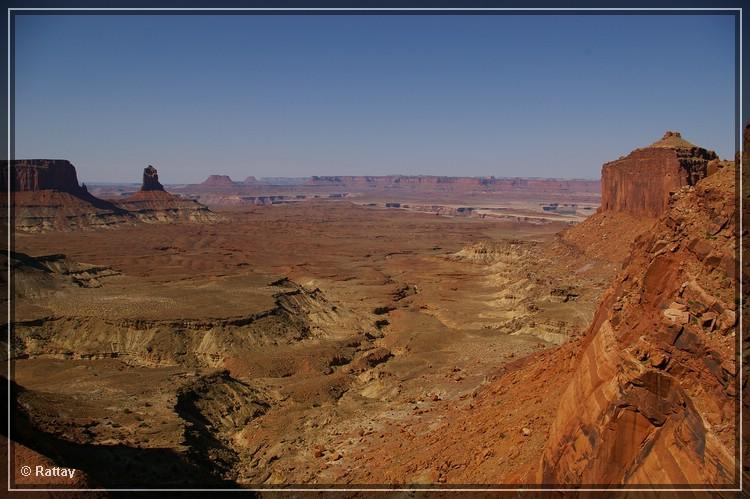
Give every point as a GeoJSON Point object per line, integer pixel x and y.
{"type": "Point", "coordinates": [218, 181]}
{"type": "Point", "coordinates": [152, 204]}
{"type": "Point", "coordinates": [250, 180]}
{"type": "Point", "coordinates": [641, 182]}
{"type": "Point", "coordinates": [151, 180]}
{"type": "Point", "coordinates": [46, 196]}
{"type": "Point", "coordinates": [437, 183]}
{"type": "Point", "coordinates": [636, 190]}
{"type": "Point", "coordinates": [44, 174]}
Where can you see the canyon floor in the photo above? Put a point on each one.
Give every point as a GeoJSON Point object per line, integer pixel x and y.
{"type": "Point", "coordinates": [293, 344]}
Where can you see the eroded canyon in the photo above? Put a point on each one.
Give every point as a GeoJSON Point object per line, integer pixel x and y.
{"type": "Point", "coordinates": [336, 340]}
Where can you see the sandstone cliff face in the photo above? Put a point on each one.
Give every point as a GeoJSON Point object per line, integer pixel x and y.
{"type": "Point", "coordinates": [41, 174]}
{"type": "Point", "coordinates": [46, 196]}
{"type": "Point", "coordinates": [640, 183]}
{"type": "Point", "coordinates": [652, 400]}
{"type": "Point", "coordinates": [635, 192]}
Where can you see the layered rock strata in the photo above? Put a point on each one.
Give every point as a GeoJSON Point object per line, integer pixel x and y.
{"type": "Point", "coordinates": [46, 196]}
{"type": "Point", "coordinates": [653, 397]}
{"type": "Point", "coordinates": [641, 182]}
{"type": "Point", "coordinates": [152, 204]}
{"type": "Point", "coordinates": [635, 192]}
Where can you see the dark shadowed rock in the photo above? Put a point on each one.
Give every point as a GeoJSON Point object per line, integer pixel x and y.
{"type": "Point", "coordinates": [42, 174]}
{"type": "Point", "coordinates": [151, 180]}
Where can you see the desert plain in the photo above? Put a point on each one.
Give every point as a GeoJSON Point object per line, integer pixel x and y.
{"type": "Point", "coordinates": [378, 334]}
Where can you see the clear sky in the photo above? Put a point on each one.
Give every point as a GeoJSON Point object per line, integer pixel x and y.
{"type": "Point", "coordinates": [503, 95]}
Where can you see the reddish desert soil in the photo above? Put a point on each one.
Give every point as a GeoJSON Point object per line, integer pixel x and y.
{"type": "Point", "coordinates": [300, 344]}
{"type": "Point", "coordinates": [424, 331]}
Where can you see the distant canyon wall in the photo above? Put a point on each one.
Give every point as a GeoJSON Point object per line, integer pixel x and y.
{"type": "Point", "coordinates": [433, 182]}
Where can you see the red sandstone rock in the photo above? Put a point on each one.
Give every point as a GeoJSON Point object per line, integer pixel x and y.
{"type": "Point", "coordinates": [42, 174]}
{"type": "Point", "coordinates": [641, 182]}
{"type": "Point", "coordinates": [46, 196]}
{"type": "Point", "coordinates": [152, 204]}
{"type": "Point", "coordinates": [651, 400]}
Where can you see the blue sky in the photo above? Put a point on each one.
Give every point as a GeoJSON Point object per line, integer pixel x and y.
{"type": "Point", "coordinates": [503, 95]}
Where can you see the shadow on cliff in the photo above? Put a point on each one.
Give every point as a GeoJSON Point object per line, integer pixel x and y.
{"type": "Point", "coordinates": [101, 204]}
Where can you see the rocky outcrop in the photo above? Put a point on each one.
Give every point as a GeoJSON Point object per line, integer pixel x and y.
{"type": "Point", "coordinates": [46, 196]}
{"type": "Point", "coordinates": [152, 204]}
{"type": "Point", "coordinates": [641, 182]}
{"type": "Point", "coordinates": [40, 276]}
{"type": "Point", "coordinates": [218, 181]}
{"type": "Point", "coordinates": [606, 235]}
{"type": "Point", "coordinates": [297, 313]}
{"type": "Point", "coordinates": [653, 397]}
{"type": "Point", "coordinates": [163, 207]}
{"type": "Point", "coordinates": [217, 408]}
{"type": "Point", "coordinates": [151, 180]}
{"type": "Point", "coordinates": [635, 192]}
{"type": "Point", "coordinates": [52, 210]}
{"type": "Point", "coordinates": [43, 174]}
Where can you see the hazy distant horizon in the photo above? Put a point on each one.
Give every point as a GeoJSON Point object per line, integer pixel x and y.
{"type": "Point", "coordinates": [300, 95]}
{"type": "Point", "coordinates": [260, 179]}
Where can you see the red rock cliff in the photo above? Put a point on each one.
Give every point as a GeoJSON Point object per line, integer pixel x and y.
{"type": "Point", "coordinates": [43, 174]}
{"type": "Point", "coordinates": [653, 397]}
{"type": "Point", "coordinates": [640, 183]}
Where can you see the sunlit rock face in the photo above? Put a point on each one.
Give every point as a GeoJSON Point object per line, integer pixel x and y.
{"type": "Point", "coordinates": [641, 182]}
{"type": "Point", "coordinates": [653, 398]}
